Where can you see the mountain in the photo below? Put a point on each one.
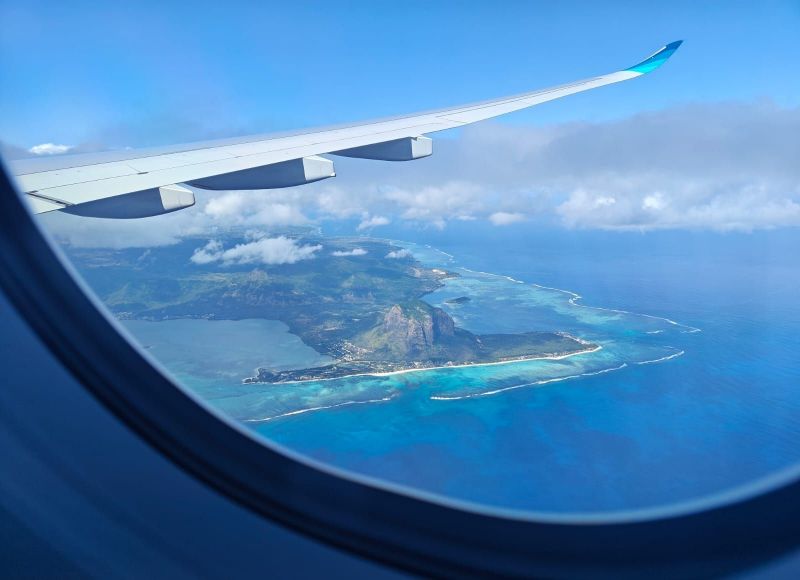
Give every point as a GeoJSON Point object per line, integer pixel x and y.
{"type": "Point", "coordinates": [416, 331]}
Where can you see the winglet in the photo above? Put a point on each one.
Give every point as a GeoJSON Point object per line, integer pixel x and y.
{"type": "Point", "coordinates": [656, 60]}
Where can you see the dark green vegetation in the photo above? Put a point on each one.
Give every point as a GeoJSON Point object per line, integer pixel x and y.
{"type": "Point", "coordinates": [365, 310]}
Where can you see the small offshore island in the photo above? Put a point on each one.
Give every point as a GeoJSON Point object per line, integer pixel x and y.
{"type": "Point", "coordinates": [459, 300]}
{"type": "Point", "coordinates": [358, 301]}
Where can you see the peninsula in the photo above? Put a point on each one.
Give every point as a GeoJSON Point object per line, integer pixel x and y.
{"type": "Point", "coordinates": [359, 301]}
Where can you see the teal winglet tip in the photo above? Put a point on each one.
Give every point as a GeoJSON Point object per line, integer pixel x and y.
{"type": "Point", "coordinates": [657, 59]}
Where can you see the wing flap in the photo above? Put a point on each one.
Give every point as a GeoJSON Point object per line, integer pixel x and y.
{"type": "Point", "coordinates": [41, 205]}
{"type": "Point", "coordinates": [406, 149]}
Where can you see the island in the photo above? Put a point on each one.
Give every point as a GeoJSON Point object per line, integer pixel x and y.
{"type": "Point", "coordinates": [359, 301]}
{"type": "Point", "coordinates": [459, 300]}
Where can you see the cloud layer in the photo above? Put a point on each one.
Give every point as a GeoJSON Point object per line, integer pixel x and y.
{"type": "Point", "coordinates": [720, 166]}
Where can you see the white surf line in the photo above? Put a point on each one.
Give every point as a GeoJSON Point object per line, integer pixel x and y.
{"type": "Point", "coordinates": [437, 250]}
{"type": "Point", "coordinates": [410, 246]}
{"type": "Point", "coordinates": [500, 362]}
{"type": "Point", "coordinates": [460, 366]}
{"type": "Point", "coordinates": [574, 296]}
{"type": "Point", "coordinates": [554, 380]}
{"type": "Point", "coordinates": [451, 256]}
{"type": "Point", "coordinates": [574, 302]}
{"type": "Point", "coordinates": [662, 359]}
{"type": "Point", "coordinates": [509, 278]}
{"type": "Point", "coordinates": [321, 408]}
{"type": "Point", "coordinates": [533, 384]}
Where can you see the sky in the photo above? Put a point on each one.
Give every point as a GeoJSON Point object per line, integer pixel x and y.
{"type": "Point", "coordinates": [710, 140]}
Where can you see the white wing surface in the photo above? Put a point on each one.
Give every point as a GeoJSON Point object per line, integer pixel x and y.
{"type": "Point", "coordinates": [139, 183]}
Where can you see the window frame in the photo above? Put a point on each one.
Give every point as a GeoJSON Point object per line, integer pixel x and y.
{"type": "Point", "coordinates": [397, 526]}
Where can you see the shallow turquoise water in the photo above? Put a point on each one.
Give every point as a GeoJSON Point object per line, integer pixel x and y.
{"type": "Point", "coordinates": [694, 390]}
{"type": "Point", "coordinates": [213, 355]}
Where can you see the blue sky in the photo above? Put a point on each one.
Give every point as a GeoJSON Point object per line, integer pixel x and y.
{"type": "Point", "coordinates": [148, 73]}
{"type": "Point", "coordinates": [709, 141]}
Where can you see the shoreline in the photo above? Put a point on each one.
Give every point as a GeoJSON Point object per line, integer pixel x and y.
{"type": "Point", "coordinates": [575, 297]}
{"type": "Point", "coordinates": [440, 367]}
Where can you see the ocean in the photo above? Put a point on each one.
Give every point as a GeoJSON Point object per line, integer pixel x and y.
{"type": "Point", "coordinates": [694, 391]}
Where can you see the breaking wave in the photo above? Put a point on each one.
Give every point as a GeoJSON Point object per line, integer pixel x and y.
{"type": "Point", "coordinates": [524, 385]}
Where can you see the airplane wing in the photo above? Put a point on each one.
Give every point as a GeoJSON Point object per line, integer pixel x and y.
{"type": "Point", "coordinates": [144, 182]}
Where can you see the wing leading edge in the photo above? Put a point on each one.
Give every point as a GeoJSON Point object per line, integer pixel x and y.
{"type": "Point", "coordinates": [139, 183]}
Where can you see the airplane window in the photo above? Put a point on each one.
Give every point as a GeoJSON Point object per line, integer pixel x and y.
{"type": "Point", "coordinates": [530, 320]}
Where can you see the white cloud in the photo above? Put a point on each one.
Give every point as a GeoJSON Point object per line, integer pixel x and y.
{"type": "Point", "coordinates": [398, 254]}
{"type": "Point", "coordinates": [261, 208]}
{"type": "Point", "coordinates": [604, 200]}
{"type": "Point", "coordinates": [338, 202]}
{"type": "Point", "coordinates": [81, 232]}
{"type": "Point", "coordinates": [211, 252]}
{"type": "Point", "coordinates": [50, 149]}
{"type": "Point", "coordinates": [353, 252]}
{"type": "Point", "coordinates": [225, 205]}
{"type": "Point", "coordinates": [435, 204]}
{"type": "Point", "coordinates": [504, 218]}
{"type": "Point", "coordinates": [372, 222]}
{"type": "Point", "coordinates": [655, 202]}
{"type": "Point", "coordinates": [273, 251]}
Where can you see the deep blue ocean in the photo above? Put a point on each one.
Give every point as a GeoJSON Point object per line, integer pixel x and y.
{"type": "Point", "coordinates": [696, 388]}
